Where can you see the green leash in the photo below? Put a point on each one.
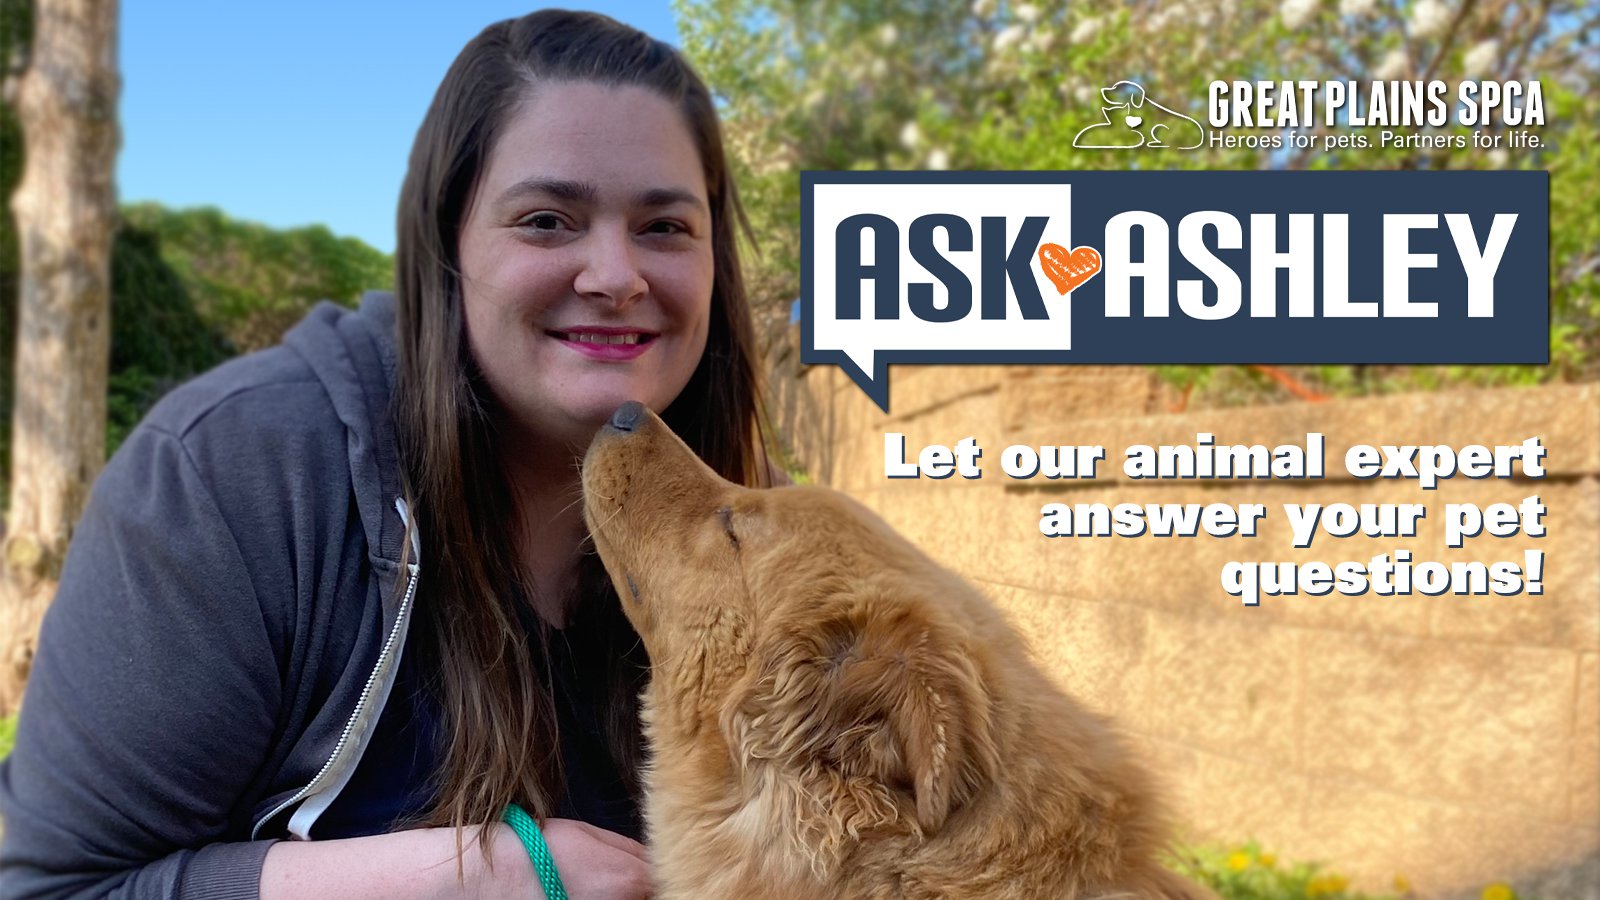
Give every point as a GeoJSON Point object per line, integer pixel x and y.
{"type": "Point", "coordinates": [543, 864]}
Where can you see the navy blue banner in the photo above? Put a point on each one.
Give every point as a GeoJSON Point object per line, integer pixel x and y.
{"type": "Point", "coordinates": [1173, 268]}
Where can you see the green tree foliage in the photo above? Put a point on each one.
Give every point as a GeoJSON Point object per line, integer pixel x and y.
{"type": "Point", "coordinates": [901, 84]}
{"type": "Point", "coordinates": [157, 338]}
{"type": "Point", "coordinates": [252, 282]}
{"type": "Point", "coordinates": [191, 288]}
{"type": "Point", "coordinates": [16, 34]}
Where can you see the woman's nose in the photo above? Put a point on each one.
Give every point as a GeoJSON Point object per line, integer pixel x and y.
{"type": "Point", "coordinates": [610, 270]}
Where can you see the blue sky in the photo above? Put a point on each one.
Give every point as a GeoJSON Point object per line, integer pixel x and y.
{"type": "Point", "coordinates": [293, 112]}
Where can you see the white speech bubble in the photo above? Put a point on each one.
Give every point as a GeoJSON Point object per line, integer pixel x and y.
{"type": "Point", "coordinates": [908, 338]}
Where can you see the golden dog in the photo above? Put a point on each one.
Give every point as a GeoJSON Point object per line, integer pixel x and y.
{"type": "Point", "coordinates": [831, 716]}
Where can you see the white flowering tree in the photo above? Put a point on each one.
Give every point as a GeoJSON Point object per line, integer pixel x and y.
{"type": "Point", "coordinates": [868, 84]}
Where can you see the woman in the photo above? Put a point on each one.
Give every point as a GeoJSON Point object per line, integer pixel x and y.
{"type": "Point", "coordinates": [338, 590]}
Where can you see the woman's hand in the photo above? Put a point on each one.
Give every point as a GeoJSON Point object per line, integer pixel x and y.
{"type": "Point", "coordinates": [596, 864]}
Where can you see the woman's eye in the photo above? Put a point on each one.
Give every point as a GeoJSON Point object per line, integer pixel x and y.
{"type": "Point", "coordinates": [665, 226]}
{"type": "Point", "coordinates": [542, 222]}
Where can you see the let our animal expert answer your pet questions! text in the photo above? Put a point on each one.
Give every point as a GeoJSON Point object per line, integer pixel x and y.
{"type": "Point", "coordinates": [1390, 574]}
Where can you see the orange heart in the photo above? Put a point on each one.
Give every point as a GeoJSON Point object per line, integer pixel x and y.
{"type": "Point", "coordinates": [1068, 271]}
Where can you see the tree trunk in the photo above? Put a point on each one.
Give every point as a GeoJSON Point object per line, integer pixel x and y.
{"type": "Point", "coordinates": [66, 214]}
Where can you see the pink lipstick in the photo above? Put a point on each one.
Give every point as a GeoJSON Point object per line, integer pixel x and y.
{"type": "Point", "coordinates": [603, 343]}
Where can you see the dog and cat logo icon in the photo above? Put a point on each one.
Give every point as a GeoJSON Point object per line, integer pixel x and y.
{"type": "Point", "coordinates": [1129, 119]}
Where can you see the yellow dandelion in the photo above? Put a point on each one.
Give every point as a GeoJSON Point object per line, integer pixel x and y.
{"type": "Point", "coordinates": [1402, 884]}
{"type": "Point", "coordinates": [1240, 860]}
{"type": "Point", "coordinates": [1499, 891]}
{"type": "Point", "coordinates": [1269, 859]}
{"type": "Point", "coordinates": [1326, 885]}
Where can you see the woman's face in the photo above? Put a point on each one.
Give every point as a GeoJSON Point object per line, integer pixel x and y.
{"type": "Point", "coordinates": [586, 263]}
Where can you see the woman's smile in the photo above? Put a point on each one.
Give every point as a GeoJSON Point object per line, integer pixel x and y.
{"type": "Point", "coordinates": [606, 344]}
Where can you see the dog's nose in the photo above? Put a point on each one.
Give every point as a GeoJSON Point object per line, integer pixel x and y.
{"type": "Point", "coordinates": [628, 416]}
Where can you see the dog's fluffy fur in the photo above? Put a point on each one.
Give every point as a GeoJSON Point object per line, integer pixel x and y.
{"type": "Point", "coordinates": [831, 715]}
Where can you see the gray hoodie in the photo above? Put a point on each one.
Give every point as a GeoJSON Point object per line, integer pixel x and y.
{"type": "Point", "coordinates": [226, 629]}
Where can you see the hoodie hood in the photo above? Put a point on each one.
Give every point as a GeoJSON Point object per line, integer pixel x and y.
{"type": "Point", "coordinates": [353, 354]}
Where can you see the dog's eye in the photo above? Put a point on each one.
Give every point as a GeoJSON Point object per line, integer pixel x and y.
{"type": "Point", "coordinates": [726, 515]}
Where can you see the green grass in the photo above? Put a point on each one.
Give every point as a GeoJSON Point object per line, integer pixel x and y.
{"type": "Point", "coordinates": [1249, 873]}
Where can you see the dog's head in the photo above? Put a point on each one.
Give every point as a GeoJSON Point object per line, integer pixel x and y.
{"type": "Point", "coordinates": [793, 628]}
{"type": "Point", "coordinates": [1123, 94]}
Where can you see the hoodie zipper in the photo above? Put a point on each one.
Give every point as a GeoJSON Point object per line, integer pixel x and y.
{"type": "Point", "coordinates": [362, 701]}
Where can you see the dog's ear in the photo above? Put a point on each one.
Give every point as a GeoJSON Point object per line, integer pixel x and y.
{"type": "Point", "coordinates": [915, 714]}
{"type": "Point", "coordinates": [1125, 93]}
{"type": "Point", "coordinates": [886, 703]}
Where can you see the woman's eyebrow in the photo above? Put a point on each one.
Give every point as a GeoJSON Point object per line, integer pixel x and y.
{"type": "Point", "coordinates": [668, 196]}
{"type": "Point", "coordinates": [585, 192]}
{"type": "Point", "coordinates": [561, 189]}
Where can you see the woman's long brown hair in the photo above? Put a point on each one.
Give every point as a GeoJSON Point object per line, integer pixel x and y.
{"type": "Point", "coordinates": [500, 743]}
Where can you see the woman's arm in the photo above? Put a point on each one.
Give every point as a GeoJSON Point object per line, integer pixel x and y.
{"type": "Point", "coordinates": [152, 702]}
{"type": "Point", "coordinates": [421, 865]}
